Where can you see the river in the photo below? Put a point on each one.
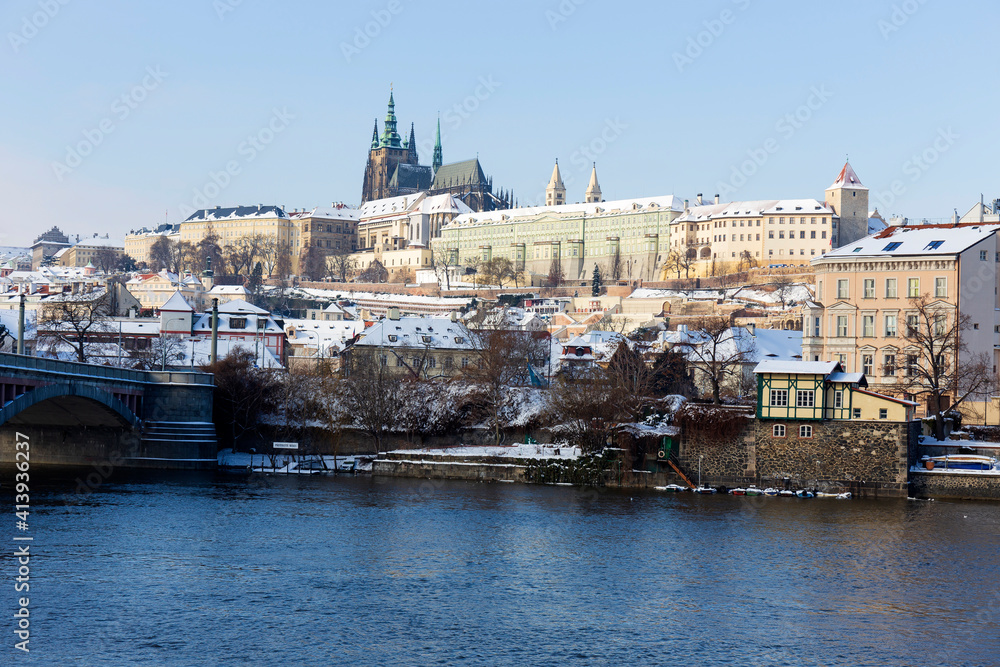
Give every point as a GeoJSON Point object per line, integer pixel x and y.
{"type": "Point", "coordinates": [198, 568]}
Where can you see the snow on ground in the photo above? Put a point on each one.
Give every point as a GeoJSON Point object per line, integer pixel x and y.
{"type": "Point", "coordinates": [519, 451]}
{"type": "Point", "coordinates": [798, 292]}
{"type": "Point", "coordinates": [243, 460]}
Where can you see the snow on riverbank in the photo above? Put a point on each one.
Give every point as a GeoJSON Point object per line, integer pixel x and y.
{"type": "Point", "coordinates": [519, 451]}
{"type": "Point", "coordinates": [279, 462]}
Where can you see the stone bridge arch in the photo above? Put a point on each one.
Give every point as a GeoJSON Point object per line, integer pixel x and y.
{"type": "Point", "coordinates": [71, 403]}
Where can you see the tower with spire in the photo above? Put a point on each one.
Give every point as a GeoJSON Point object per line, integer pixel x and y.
{"type": "Point", "coordinates": [593, 194]}
{"type": "Point", "coordinates": [438, 160]}
{"type": "Point", "coordinates": [848, 198]}
{"type": "Point", "coordinates": [393, 166]}
{"type": "Point", "coordinates": [555, 191]}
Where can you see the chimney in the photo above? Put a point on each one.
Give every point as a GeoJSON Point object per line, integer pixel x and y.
{"type": "Point", "coordinates": [752, 330]}
{"type": "Point", "coordinates": [686, 204]}
{"type": "Point", "coordinates": [453, 316]}
{"type": "Point", "coordinates": [716, 199]}
{"type": "Point", "coordinates": [698, 199]}
{"type": "Point", "coordinates": [393, 313]}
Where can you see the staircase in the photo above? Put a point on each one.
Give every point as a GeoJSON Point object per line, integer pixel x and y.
{"type": "Point", "coordinates": [198, 433]}
{"type": "Point", "coordinates": [678, 470]}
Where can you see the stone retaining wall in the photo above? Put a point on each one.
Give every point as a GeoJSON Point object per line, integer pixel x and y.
{"type": "Point", "coordinates": [954, 485]}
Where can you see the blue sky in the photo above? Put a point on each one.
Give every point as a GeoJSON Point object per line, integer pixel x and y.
{"type": "Point", "coordinates": [253, 102]}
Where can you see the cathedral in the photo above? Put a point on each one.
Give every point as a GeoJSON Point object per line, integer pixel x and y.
{"type": "Point", "coordinates": [394, 169]}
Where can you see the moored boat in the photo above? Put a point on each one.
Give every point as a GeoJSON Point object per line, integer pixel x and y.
{"type": "Point", "coordinates": [771, 491]}
{"type": "Point", "coordinates": [962, 462]}
{"type": "Point", "coordinates": [738, 491]}
{"type": "Point", "coordinates": [673, 488]}
{"type": "Point", "coordinates": [754, 491]}
{"type": "Point", "coordinates": [705, 490]}
{"type": "Point", "coordinates": [803, 493]}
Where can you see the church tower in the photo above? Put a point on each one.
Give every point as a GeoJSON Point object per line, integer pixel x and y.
{"type": "Point", "coordinates": [849, 200]}
{"type": "Point", "coordinates": [438, 158]}
{"type": "Point", "coordinates": [593, 194]}
{"type": "Point", "coordinates": [555, 191]}
{"type": "Point", "coordinates": [387, 152]}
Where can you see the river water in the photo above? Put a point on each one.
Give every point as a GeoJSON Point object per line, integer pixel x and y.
{"type": "Point", "coordinates": [162, 568]}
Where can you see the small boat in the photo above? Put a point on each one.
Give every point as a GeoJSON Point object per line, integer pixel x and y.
{"type": "Point", "coordinates": [705, 490]}
{"type": "Point", "coordinates": [738, 492]}
{"type": "Point", "coordinates": [754, 491]}
{"type": "Point", "coordinates": [839, 496]}
{"type": "Point", "coordinates": [771, 491]}
{"type": "Point", "coordinates": [962, 462]}
{"type": "Point", "coordinates": [786, 493]}
{"type": "Point", "coordinates": [802, 493]}
{"type": "Point", "coordinates": [673, 488]}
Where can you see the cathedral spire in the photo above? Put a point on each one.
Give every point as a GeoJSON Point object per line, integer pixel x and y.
{"type": "Point", "coordinates": [390, 137]}
{"type": "Point", "coordinates": [412, 145]}
{"type": "Point", "coordinates": [438, 159]}
{"type": "Point", "coordinates": [375, 135]}
{"type": "Point", "coordinates": [593, 193]}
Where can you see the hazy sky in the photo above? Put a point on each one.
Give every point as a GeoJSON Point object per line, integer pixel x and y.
{"type": "Point", "coordinates": [118, 115]}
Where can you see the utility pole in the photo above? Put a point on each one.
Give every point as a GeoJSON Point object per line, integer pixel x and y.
{"type": "Point", "coordinates": [20, 326]}
{"type": "Point", "coordinates": [215, 330]}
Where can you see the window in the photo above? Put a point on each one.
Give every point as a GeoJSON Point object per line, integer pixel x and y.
{"type": "Point", "coordinates": [892, 246]}
{"type": "Point", "coordinates": [868, 326]}
{"type": "Point", "coordinates": [913, 288]}
{"type": "Point", "coordinates": [802, 234]}
{"type": "Point", "coordinates": [889, 364]}
{"type": "Point", "coordinates": [448, 363]}
{"type": "Point", "coordinates": [400, 362]}
{"type": "Point", "coordinates": [983, 255]}
{"type": "Point", "coordinates": [838, 399]}
{"type": "Point", "coordinates": [384, 359]}
{"type": "Point", "coordinates": [778, 430]}
{"type": "Point", "coordinates": [867, 364]}
{"type": "Point", "coordinates": [940, 322]}
{"type": "Point", "coordinates": [459, 340]}
{"type": "Point", "coordinates": [842, 326]}
{"type": "Point", "coordinates": [890, 326]}
{"type": "Point", "coordinates": [812, 234]}
{"type": "Point", "coordinates": [842, 286]}
{"type": "Point", "coordinates": [393, 338]}
{"type": "Point", "coordinates": [857, 413]}
{"type": "Point", "coordinates": [805, 431]}
{"type": "Point", "coordinates": [816, 327]}
{"type": "Point", "coordinates": [781, 233]}
{"type": "Point", "coordinates": [465, 362]}
{"type": "Point", "coordinates": [941, 287]}
{"type": "Point", "coordinates": [822, 234]}
{"type": "Point", "coordinates": [912, 323]}
{"type": "Point", "coordinates": [805, 398]}
{"type": "Point", "coordinates": [432, 362]}
{"type": "Point", "coordinates": [869, 288]}
{"type": "Point", "coordinates": [779, 398]}
{"type": "Point", "coordinates": [933, 245]}
{"type": "Point", "coordinates": [883, 413]}
{"type": "Point", "coordinates": [911, 365]}
{"type": "Point", "coordinates": [237, 323]}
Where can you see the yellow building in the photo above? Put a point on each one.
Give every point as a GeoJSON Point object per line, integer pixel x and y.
{"type": "Point", "coordinates": [86, 251]}
{"type": "Point", "coordinates": [139, 242]}
{"type": "Point", "coordinates": [719, 238]}
{"type": "Point", "coordinates": [333, 229]}
{"type": "Point", "coordinates": [865, 294]}
{"type": "Point", "coordinates": [229, 224]}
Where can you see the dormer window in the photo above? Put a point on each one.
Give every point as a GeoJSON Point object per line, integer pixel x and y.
{"type": "Point", "coordinates": [426, 339]}
{"type": "Point", "coordinates": [934, 245]}
{"type": "Point", "coordinates": [458, 339]}
{"type": "Point", "coordinates": [393, 338]}
{"type": "Point", "coordinates": [237, 323]}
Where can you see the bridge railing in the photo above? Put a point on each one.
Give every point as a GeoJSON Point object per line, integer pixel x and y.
{"type": "Point", "coordinates": [78, 369]}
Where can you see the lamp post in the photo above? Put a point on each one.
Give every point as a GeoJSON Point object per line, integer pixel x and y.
{"type": "Point", "coordinates": [20, 326]}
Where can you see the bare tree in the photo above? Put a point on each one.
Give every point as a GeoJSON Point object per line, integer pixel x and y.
{"type": "Point", "coordinates": [556, 275]}
{"type": "Point", "coordinates": [372, 394]}
{"type": "Point", "coordinates": [163, 255]}
{"type": "Point", "coordinates": [502, 357]}
{"type": "Point", "coordinates": [242, 393]}
{"type": "Point", "coordinates": [746, 262]}
{"type": "Point", "coordinates": [340, 265]}
{"type": "Point", "coordinates": [208, 252]}
{"type": "Point", "coordinates": [782, 286]}
{"type": "Point", "coordinates": [717, 357]}
{"type": "Point", "coordinates": [938, 364]}
{"type": "Point", "coordinates": [106, 259]}
{"type": "Point", "coordinates": [73, 319]}
{"type": "Point", "coordinates": [162, 352]}
{"type": "Point", "coordinates": [375, 273]}
{"type": "Point", "coordinates": [312, 263]}
{"type": "Point", "coordinates": [615, 264]}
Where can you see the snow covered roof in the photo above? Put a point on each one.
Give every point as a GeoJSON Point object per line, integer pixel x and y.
{"type": "Point", "coordinates": [799, 207]}
{"type": "Point", "coordinates": [445, 203]}
{"type": "Point", "coordinates": [337, 212]}
{"type": "Point", "coordinates": [227, 290]}
{"type": "Point", "coordinates": [177, 304]}
{"type": "Point", "coordinates": [325, 335]}
{"type": "Point", "coordinates": [237, 213]}
{"type": "Point", "coordinates": [798, 367]}
{"type": "Point", "coordinates": [391, 206]}
{"type": "Point", "coordinates": [875, 225]}
{"type": "Point", "coordinates": [432, 332]}
{"type": "Point", "coordinates": [595, 209]}
{"type": "Point", "coordinates": [847, 179]}
{"type": "Point", "coordinates": [741, 209]}
{"type": "Point", "coordinates": [241, 306]}
{"type": "Point", "coordinates": [98, 242]}
{"type": "Point", "coordinates": [848, 378]}
{"type": "Point", "coordinates": [916, 240]}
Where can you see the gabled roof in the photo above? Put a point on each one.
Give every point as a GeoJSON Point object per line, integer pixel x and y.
{"type": "Point", "coordinates": [177, 304]}
{"type": "Point", "coordinates": [459, 173]}
{"type": "Point", "coordinates": [848, 378]}
{"type": "Point", "coordinates": [847, 179]}
{"type": "Point", "coordinates": [798, 367]}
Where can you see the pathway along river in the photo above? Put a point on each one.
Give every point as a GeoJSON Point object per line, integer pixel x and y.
{"type": "Point", "coordinates": [164, 568]}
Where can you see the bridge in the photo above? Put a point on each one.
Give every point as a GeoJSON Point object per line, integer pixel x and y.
{"type": "Point", "coordinates": [83, 414]}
